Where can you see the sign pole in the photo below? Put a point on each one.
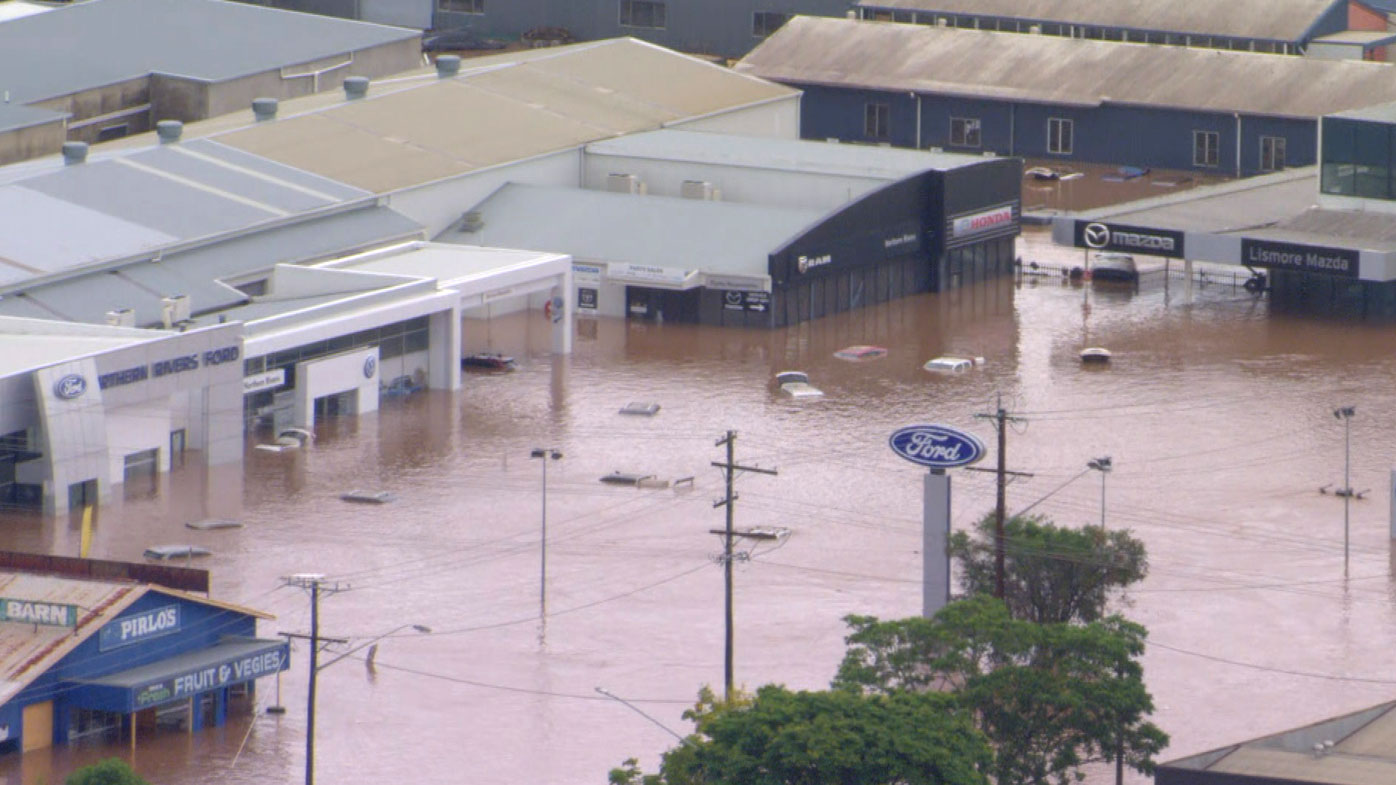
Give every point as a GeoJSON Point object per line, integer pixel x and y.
{"type": "Point", "coordinates": [935, 543]}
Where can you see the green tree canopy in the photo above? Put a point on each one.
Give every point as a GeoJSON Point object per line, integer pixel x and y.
{"type": "Point", "coordinates": [780, 737]}
{"type": "Point", "coordinates": [112, 771]}
{"type": "Point", "coordinates": [1049, 697]}
{"type": "Point", "coordinates": [1051, 573]}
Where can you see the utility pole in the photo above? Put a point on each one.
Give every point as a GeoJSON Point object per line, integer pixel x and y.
{"type": "Point", "coordinates": [729, 471]}
{"type": "Point", "coordinates": [544, 454]}
{"type": "Point", "coordinates": [1000, 418]}
{"type": "Point", "coordinates": [1345, 414]}
{"type": "Point", "coordinates": [315, 582]}
{"type": "Point", "coordinates": [1102, 465]}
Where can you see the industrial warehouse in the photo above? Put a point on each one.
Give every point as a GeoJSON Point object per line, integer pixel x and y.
{"type": "Point", "coordinates": [1058, 99]}
{"type": "Point", "coordinates": [270, 268]}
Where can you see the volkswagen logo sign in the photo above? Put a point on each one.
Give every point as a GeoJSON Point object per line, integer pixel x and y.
{"type": "Point", "coordinates": [370, 367]}
{"type": "Point", "coordinates": [70, 387]}
{"type": "Point", "coordinates": [1096, 235]}
{"type": "Point", "coordinates": [936, 446]}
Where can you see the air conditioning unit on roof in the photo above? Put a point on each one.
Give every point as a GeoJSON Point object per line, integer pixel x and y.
{"type": "Point", "coordinates": [174, 310]}
{"type": "Point", "coordinates": [698, 189]}
{"type": "Point", "coordinates": [121, 317]}
{"type": "Point", "coordinates": [624, 184]}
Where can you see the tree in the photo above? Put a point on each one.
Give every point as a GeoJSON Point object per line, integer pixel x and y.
{"type": "Point", "coordinates": [112, 771]}
{"type": "Point", "coordinates": [780, 737]}
{"type": "Point", "coordinates": [1049, 697]}
{"type": "Point", "coordinates": [1051, 573]}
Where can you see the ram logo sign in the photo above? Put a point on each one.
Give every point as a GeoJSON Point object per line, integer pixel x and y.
{"type": "Point", "coordinates": [936, 446]}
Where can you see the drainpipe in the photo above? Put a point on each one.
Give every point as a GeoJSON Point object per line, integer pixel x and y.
{"type": "Point", "coordinates": [1012, 125]}
{"type": "Point", "coordinates": [1238, 145]}
{"type": "Point", "coordinates": [918, 119]}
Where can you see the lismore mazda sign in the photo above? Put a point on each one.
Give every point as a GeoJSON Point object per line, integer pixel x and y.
{"type": "Point", "coordinates": [936, 446]}
{"type": "Point", "coordinates": [1101, 236]}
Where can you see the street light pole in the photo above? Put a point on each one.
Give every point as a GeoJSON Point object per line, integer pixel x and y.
{"type": "Point", "coordinates": [1345, 414]}
{"type": "Point", "coordinates": [1102, 465]}
{"type": "Point", "coordinates": [544, 454]}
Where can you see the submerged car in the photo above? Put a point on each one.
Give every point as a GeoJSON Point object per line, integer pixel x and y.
{"type": "Point", "coordinates": [952, 365]}
{"type": "Point", "coordinates": [796, 385]}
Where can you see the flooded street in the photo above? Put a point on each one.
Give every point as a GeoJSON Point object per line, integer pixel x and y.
{"type": "Point", "coordinates": [1217, 415]}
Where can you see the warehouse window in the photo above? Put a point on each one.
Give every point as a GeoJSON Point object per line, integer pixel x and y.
{"type": "Point", "coordinates": [462, 6]}
{"type": "Point", "coordinates": [964, 131]}
{"type": "Point", "coordinates": [643, 13]}
{"type": "Point", "coordinates": [763, 23]}
{"type": "Point", "coordinates": [1206, 148]}
{"type": "Point", "coordinates": [1059, 132]}
{"type": "Point", "coordinates": [1272, 153]}
{"type": "Point", "coordinates": [877, 121]}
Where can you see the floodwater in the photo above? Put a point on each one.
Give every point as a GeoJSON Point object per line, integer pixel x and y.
{"type": "Point", "coordinates": [1218, 418]}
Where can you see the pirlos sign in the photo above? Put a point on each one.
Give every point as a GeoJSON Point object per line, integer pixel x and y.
{"type": "Point", "coordinates": [936, 446]}
{"type": "Point", "coordinates": [1102, 236]}
{"type": "Point", "coordinates": [137, 627]}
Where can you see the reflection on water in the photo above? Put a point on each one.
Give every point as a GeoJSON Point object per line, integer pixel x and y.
{"type": "Point", "coordinates": [1218, 418]}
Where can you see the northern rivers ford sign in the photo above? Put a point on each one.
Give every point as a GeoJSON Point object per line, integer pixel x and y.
{"type": "Point", "coordinates": [936, 446]}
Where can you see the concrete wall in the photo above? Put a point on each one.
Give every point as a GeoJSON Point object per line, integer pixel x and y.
{"type": "Point", "coordinates": [32, 142]}
{"type": "Point", "coordinates": [355, 371]}
{"type": "Point", "coordinates": [314, 76]}
{"type": "Point", "coordinates": [119, 103]}
{"type": "Point", "coordinates": [439, 206]}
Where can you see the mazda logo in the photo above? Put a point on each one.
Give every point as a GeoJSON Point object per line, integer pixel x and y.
{"type": "Point", "coordinates": [1096, 235]}
{"type": "Point", "coordinates": [733, 298]}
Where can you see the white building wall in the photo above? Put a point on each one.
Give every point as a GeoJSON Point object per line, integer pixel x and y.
{"type": "Point", "coordinates": [355, 371]}
{"type": "Point", "coordinates": [779, 118]}
{"type": "Point", "coordinates": [774, 187]}
{"type": "Point", "coordinates": [136, 428]}
{"type": "Point", "coordinates": [1331, 51]}
{"type": "Point", "coordinates": [439, 205]}
{"type": "Point", "coordinates": [73, 438]}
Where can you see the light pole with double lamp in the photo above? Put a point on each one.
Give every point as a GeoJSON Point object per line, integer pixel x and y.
{"type": "Point", "coordinates": [1102, 465]}
{"type": "Point", "coordinates": [544, 454]}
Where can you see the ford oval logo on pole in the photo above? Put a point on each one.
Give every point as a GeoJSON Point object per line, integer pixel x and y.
{"type": "Point", "coordinates": [936, 446]}
{"type": "Point", "coordinates": [70, 387]}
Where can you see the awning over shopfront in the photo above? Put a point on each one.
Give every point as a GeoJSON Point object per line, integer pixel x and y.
{"type": "Point", "coordinates": [233, 661]}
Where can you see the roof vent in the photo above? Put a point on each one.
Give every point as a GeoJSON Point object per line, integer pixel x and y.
{"type": "Point", "coordinates": [169, 131]}
{"type": "Point", "coordinates": [447, 66]}
{"type": "Point", "coordinates": [264, 109]}
{"type": "Point", "coordinates": [355, 87]}
{"type": "Point", "coordinates": [472, 221]}
{"type": "Point", "coordinates": [74, 152]}
{"type": "Point", "coordinates": [121, 317]}
{"type": "Point", "coordinates": [174, 310]}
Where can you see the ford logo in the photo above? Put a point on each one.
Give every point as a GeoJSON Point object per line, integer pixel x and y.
{"type": "Point", "coordinates": [70, 387]}
{"type": "Point", "coordinates": [936, 446]}
{"type": "Point", "coordinates": [370, 366]}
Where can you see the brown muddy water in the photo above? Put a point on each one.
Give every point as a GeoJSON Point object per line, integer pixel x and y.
{"type": "Point", "coordinates": [1218, 418]}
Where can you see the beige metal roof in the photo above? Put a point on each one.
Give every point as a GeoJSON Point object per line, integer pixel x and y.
{"type": "Point", "coordinates": [1053, 69]}
{"type": "Point", "coordinates": [1280, 20]}
{"type": "Point", "coordinates": [1335, 768]}
{"type": "Point", "coordinates": [500, 110]}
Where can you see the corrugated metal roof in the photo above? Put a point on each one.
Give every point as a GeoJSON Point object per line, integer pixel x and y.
{"type": "Point", "coordinates": [449, 264]}
{"type": "Point", "coordinates": [1241, 205]}
{"type": "Point", "coordinates": [511, 110]}
{"type": "Point", "coordinates": [102, 42]}
{"type": "Point", "coordinates": [1369, 229]}
{"type": "Point", "coordinates": [27, 650]}
{"type": "Point", "coordinates": [1052, 69]}
{"type": "Point", "coordinates": [1335, 768]}
{"type": "Point", "coordinates": [196, 272]}
{"type": "Point", "coordinates": [26, 351]}
{"type": "Point", "coordinates": [764, 152]}
{"type": "Point", "coordinates": [669, 232]}
{"type": "Point", "coordinates": [1277, 20]}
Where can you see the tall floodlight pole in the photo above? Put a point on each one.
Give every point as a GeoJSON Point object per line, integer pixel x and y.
{"type": "Point", "coordinates": [544, 454]}
{"type": "Point", "coordinates": [1102, 465]}
{"type": "Point", "coordinates": [1345, 414]}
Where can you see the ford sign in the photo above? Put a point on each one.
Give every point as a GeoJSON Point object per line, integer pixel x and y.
{"type": "Point", "coordinates": [936, 446]}
{"type": "Point", "coordinates": [70, 387]}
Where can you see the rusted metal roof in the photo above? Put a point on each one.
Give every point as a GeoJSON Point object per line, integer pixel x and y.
{"type": "Point", "coordinates": [503, 111]}
{"type": "Point", "coordinates": [1275, 20]}
{"type": "Point", "coordinates": [1052, 69]}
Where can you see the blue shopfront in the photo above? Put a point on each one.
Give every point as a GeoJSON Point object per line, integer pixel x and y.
{"type": "Point", "coordinates": [165, 661]}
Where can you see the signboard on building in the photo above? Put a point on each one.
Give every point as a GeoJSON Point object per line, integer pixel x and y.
{"type": "Point", "coordinates": [208, 677]}
{"type": "Point", "coordinates": [983, 221]}
{"type": "Point", "coordinates": [170, 365]}
{"type": "Point", "coordinates": [759, 302]}
{"type": "Point", "coordinates": [936, 446]}
{"type": "Point", "coordinates": [1101, 236]}
{"type": "Point", "coordinates": [263, 381]}
{"type": "Point", "coordinates": [137, 627]}
{"type": "Point", "coordinates": [646, 274]}
{"type": "Point", "coordinates": [1301, 258]}
{"type": "Point", "coordinates": [586, 299]}
{"type": "Point", "coordinates": [49, 614]}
